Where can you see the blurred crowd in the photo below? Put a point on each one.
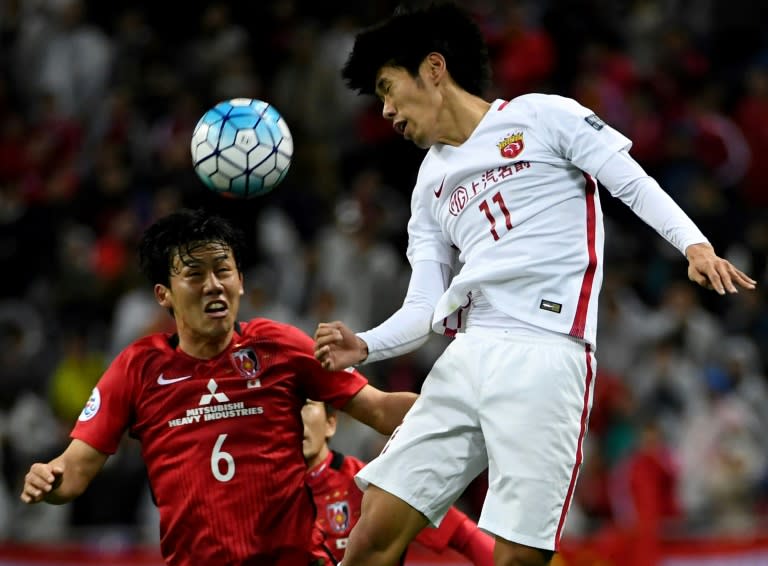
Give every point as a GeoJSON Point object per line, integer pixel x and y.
{"type": "Point", "coordinates": [97, 104]}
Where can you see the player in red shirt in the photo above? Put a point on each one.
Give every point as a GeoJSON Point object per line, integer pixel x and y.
{"type": "Point", "coordinates": [217, 409]}
{"type": "Point", "coordinates": [338, 499]}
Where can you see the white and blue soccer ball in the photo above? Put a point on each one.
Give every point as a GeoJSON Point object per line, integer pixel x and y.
{"type": "Point", "coordinates": [242, 148]}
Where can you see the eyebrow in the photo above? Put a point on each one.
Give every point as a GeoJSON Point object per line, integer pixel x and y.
{"type": "Point", "coordinates": [193, 263]}
{"type": "Point", "coordinates": [381, 85]}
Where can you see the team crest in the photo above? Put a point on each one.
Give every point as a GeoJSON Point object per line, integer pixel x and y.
{"type": "Point", "coordinates": [246, 362]}
{"type": "Point", "coordinates": [337, 514]}
{"type": "Point", "coordinates": [512, 145]}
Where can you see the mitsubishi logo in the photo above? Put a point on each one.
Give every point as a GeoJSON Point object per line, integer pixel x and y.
{"type": "Point", "coordinates": [208, 397]}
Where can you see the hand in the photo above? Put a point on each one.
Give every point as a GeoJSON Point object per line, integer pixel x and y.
{"type": "Point", "coordinates": [41, 480]}
{"type": "Point", "coordinates": [713, 272]}
{"type": "Point", "coordinates": [337, 347]}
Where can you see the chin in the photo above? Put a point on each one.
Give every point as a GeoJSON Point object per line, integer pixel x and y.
{"type": "Point", "coordinates": [422, 143]}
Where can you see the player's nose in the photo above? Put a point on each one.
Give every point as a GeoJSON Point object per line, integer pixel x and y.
{"type": "Point", "coordinates": [213, 283]}
{"type": "Point", "coordinates": [388, 109]}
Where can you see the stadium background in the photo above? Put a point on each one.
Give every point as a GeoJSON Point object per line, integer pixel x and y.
{"type": "Point", "coordinates": [97, 104]}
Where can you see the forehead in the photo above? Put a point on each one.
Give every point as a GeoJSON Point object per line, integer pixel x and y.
{"type": "Point", "coordinates": [201, 252]}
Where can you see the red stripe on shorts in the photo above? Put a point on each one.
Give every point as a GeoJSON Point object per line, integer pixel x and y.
{"type": "Point", "coordinates": [582, 433]}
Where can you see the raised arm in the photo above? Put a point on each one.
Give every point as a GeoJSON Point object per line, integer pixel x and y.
{"type": "Point", "coordinates": [64, 478]}
{"type": "Point", "coordinates": [625, 179]}
{"type": "Point", "coordinates": [337, 347]}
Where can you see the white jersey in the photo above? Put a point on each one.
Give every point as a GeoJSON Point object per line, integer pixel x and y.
{"type": "Point", "coordinates": [518, 200]}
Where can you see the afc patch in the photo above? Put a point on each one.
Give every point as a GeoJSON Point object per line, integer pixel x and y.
{"type": "Point", "coordinates": [550, 306]}
{"type": "Point", "coordinates": [92, 406]}
{"type": "Point", "coordinates": [594, 121]}
{"type": "Point", "coordinates": [246, 362]}
{"type": "Point", "coordinates": [337, 514]}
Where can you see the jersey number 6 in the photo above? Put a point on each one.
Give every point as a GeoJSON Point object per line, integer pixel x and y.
{"type": "Point", "coordinates": [219, 457]}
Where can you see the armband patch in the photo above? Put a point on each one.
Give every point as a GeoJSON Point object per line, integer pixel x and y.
{"type": "Point", "coordinates": [594, 121]}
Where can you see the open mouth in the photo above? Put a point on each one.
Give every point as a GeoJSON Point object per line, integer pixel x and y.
{"type": "Point", "coordinates": [216, 308]}
{"type": "Point", "coordinates": [400, 126]}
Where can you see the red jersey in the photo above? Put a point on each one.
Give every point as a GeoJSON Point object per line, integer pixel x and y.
{"type": "Point", "coordinates": [338, 501]}
{"type": "Point", "coordinates": [221, 439]}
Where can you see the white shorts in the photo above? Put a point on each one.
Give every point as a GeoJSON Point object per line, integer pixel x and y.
{"type": "Point", "coordinates": [517, 405]}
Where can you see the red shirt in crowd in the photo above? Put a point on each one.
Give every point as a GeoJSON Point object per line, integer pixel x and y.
{"type": "Point", "coordinates": [338, 500]}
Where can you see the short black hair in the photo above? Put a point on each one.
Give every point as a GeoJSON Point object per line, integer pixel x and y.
{"type": "Point", "coordinates": [181, 233]}
{"type": "Point", "coordinates": [409, 35]}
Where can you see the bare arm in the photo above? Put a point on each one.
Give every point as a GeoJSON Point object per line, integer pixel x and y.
{"type": "Point", "coordinates": [380, 410]}
{"type": "Point", "coordinates": [64, 478]}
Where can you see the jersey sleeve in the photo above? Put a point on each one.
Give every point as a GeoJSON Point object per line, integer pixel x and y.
{"type": "Point", "coordinates": [425, 237]}
{"type": "Point", "coordinates": [106, 415]}
{"type": "Point", "coordinates": [575, 132]}
{"type": "Point", "coordinates": [318, 384]}
{"type": "Point", "coordinates": [625, 179]}
{"type": "Point", "coordinates": [410, 326]}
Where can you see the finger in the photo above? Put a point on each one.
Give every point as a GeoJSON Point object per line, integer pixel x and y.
{"type": "Point", "coordinates": [38, 483]}
{"type": "Point", "coordinates": [322, 352]}
{"type": "Point", "coordinates": [732, 277]}
{"type": "Point", "coordinates": [715, 281]}
{"type": "Point", "coordinates": [47, 474]}
{"type": "Point", "coordinates": [744, 280]}
{"type": "Point", "coordinates": [326, 341]}
{"type": "Point", "coordinates": [699, 278]}
{"type": "Point", "coordinates": [31, 494]}
{"type": "Point", "coordinates": [727, 278]}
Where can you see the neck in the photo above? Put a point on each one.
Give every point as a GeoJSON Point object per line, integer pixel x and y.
{"type": "Point", "coordinates": [203, 347]}
{"type": "Point", "coordinates": [318, 458]}
{"type": "Point", "coordinates": [461, 114]}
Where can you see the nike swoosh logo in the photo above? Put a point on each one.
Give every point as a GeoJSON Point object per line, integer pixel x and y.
{"type": "Point", "coordinates": [439, 191]}
{"type": "Point", "coordinates": [162, 380]}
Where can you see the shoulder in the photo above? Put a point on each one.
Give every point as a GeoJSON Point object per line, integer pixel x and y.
{"type": "Point", "coordinates": [543, 103]}
{"type": "Point", "coordinates": [147, 347]}
{"type": "Point", "coordinates": [279, 332]}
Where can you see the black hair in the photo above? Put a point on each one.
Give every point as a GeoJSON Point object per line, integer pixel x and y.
{"type": "Point", "coordinates": [409, 35]}
{"type": "Point", "coordinates": [181, 233]}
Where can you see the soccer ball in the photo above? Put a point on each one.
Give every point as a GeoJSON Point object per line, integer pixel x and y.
{"type": "Point", "coordinates": [241, 148]}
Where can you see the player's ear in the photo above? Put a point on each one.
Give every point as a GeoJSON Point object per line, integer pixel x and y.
{"type": "Point", "coordinates": [242, 289]}
{"type": "Point", "coordinates": [436, 66]}
{"type": "Point", "coordinates": [163, 296]}
{"type": "Point", "coordinates": [330, 425]}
